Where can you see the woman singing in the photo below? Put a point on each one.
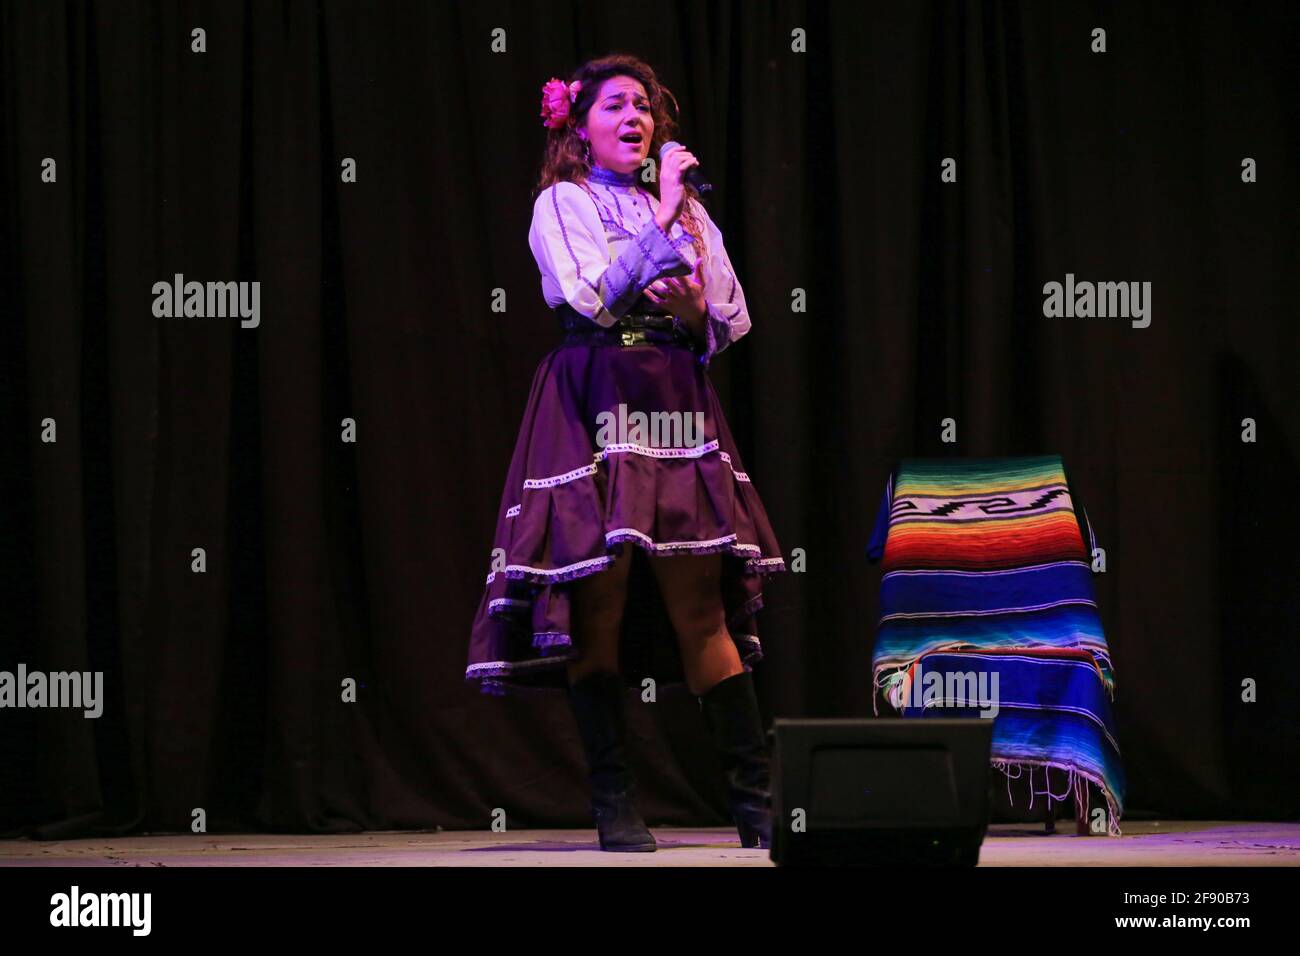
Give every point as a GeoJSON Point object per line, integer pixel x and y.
{"type": "Point", "coordinates": [630, 543]}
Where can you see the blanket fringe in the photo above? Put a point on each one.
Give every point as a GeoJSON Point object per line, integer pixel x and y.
{"type": "Point", "coordinates": [1077, 780]}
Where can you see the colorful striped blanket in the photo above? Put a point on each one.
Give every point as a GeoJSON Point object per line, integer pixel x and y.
{"type": "Point", "coordinates": [987, 607]}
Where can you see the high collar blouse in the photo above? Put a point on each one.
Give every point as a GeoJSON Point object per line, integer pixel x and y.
{"type": "Point", "coordinates": [598, 246]}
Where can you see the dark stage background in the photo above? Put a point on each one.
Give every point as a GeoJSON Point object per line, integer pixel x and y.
{"type": "Point", "coordinates": [328, 560]}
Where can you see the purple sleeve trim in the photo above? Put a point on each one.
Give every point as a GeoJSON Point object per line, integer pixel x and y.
{"type": "Point", "coordinates": [564, 232]}
{"type": "Point", "coordinates": [660, 229]}
{"type": "Point", "coordinates": [718, 329]}
{"type": "Point", "coordinates": [649, 256]}
{"type": "Point", "coordinates": [717, 334]}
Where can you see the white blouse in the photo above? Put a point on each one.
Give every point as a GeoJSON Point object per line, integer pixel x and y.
{"type": "Point", "coordinates": [598, 246]}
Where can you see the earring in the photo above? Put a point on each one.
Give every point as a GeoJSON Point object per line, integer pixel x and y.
{"type": "Point", "coordinates": [586, 143]}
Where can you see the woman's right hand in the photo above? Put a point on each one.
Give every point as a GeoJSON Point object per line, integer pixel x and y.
{"type": "Point", "coordinates": [672, 194]}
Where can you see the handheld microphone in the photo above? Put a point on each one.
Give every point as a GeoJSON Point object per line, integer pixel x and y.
{"type": "Point", "coordinates": [692, 175]}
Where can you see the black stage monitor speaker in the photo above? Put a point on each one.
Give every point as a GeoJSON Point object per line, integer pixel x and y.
{"type": "Point", "coordinates": [879, 792]}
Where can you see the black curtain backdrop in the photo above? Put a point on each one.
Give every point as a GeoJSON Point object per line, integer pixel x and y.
{"type": "Point", "coordinates": [328, 560]}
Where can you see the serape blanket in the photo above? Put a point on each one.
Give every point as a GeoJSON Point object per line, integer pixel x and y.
{"type": "Point", "coordinates": [987, 607]}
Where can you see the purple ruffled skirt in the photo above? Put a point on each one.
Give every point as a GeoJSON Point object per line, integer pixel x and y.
{"type": "Point", "coordinates": [576, 496]}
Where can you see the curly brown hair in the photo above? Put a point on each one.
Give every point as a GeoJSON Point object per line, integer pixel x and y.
{"type": "Point", "coordinates": [565, 158]}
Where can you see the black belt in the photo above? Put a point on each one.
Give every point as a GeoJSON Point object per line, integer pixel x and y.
{"type": "Point", "coordinates": [632, 328]}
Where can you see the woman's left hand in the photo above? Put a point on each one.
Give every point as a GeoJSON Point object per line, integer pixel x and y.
{"type": "Point", "coordinates": [682, 296]}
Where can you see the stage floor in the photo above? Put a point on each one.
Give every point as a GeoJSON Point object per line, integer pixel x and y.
{"type": "Point", "coordinates": [1143, 844]}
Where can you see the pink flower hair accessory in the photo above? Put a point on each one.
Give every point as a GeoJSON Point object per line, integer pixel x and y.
{"type": "Point", "coordinates": [557, 98]}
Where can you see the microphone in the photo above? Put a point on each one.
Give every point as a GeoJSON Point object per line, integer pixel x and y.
{"type": "Point", "coordinates": [692, 175]}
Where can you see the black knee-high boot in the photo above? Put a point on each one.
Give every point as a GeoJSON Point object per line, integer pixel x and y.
{"type": "Point", "coordinates": [730, 710]}
{"type": "Point", "coordinates": [597, 702]}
